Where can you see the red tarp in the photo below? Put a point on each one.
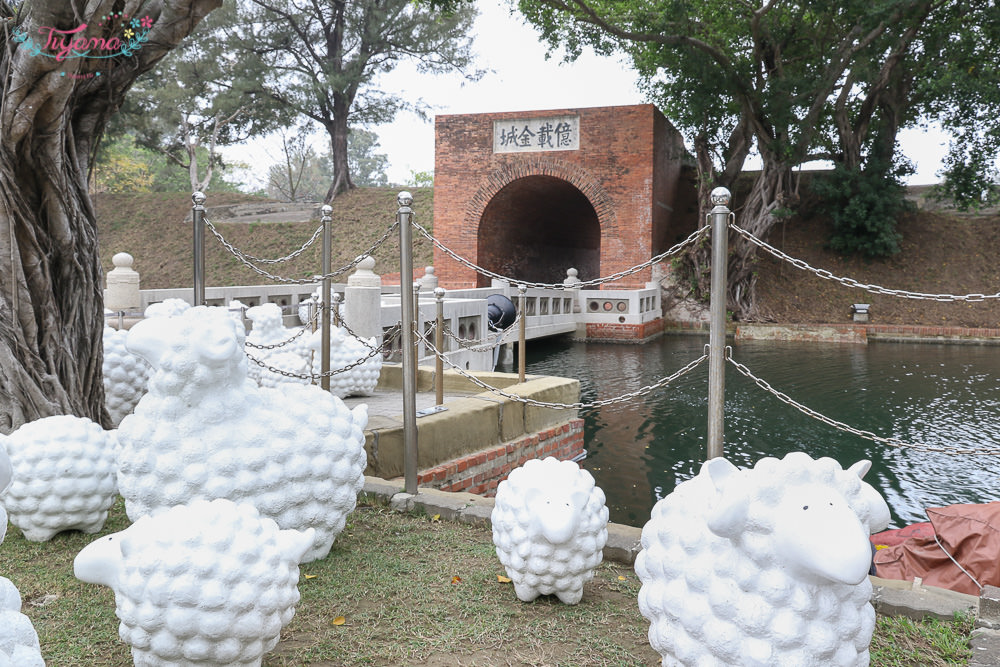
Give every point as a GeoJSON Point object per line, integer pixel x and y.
{"type": "Point", "coordinates": [970, 533]}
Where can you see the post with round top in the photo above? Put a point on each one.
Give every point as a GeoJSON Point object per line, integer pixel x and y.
{"type": "Point", "coordinates": [439, 293]}
{"type": "Point", "coordinates": [403, 216]}
{"type": "Point", "coordinates": [521, 301]}
{"type": "Point", "coordinates": [327, 310]}
{"type": "Point", "coordinates": [336, 299]}
{"type": "Point", "coordinates": [717, 317]}
{"type": "Point", "coordinates": [198, 217]}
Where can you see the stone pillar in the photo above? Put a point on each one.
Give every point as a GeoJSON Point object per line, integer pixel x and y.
{"type": "Point", "coordinates": [363, 301]}
{"type": "Point", "coordinates": [429, 281]}
{"type": "Point", "coordinates": [122, 292]}
{"type": "Point", "coordinates": [570, 282]}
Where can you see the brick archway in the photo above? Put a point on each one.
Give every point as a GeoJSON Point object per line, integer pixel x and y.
{"type": "Point", "coordinates": [537, 218]}
{"type": "Point", "coordinates": [625, 162]}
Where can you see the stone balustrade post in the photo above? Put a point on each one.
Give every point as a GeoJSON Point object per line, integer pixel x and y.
{"type": "Point", "coordinates": [363, 301]}
{"type": "Point", "coordinates": [122, 291]}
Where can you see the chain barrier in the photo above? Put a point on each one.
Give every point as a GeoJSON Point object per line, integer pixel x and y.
{"type": "Point", "coordinates": [306, 281]}
{"type": "Point", "coordinates": [648, 389]}
{"type": "Point", "coordinates": [840, 426]}
{"type": "Point", "coordinates": [851, 282]}
{"type": "Point", "coordinates": [243, 255]}
{"type": "Point", "coordinates": [583, 284]}
{"type": "Point", "coordinates": [388, 338]}
{"type": "Point", "coordinates": [298, 334]}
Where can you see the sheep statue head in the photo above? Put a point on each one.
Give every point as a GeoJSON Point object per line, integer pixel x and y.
{"type": "Point", "coordinates": [765, 566]}
{"type": "Point", "coordinates": [212, 346]}
{"type": "Point", "coordinates": [210, 583]}
{"type": "Point", "coordinates": [550, 528]}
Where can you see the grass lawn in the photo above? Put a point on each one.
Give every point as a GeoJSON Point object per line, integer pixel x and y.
{"type": "Point", "coordinates": [401, 589]}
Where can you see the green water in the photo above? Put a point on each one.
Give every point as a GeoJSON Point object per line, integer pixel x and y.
{"type": "Point", "coordinates": [938, 395]}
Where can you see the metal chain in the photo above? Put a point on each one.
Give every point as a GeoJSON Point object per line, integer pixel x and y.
{"type": "Point", "coordinates": [561, 286]}
{"type": "Point", "coordinates": [305, 281]}
{"type": "Point", "coordinates": [659, 384]}
{"type": "Point", "coordinates": [850, 282]}
{"type": "Point", "coordinates": [317, 376]}
{"type": "Point", "coordinates": [242, 255]}
{"type": "Point", "coordinates": [364, 342]}
{"type": "Point", "coordinates": [840, 426]}
{"type": "Point", "coordinates": [481, 344]}
{"type": "Point", "coordinates": [305, 327]}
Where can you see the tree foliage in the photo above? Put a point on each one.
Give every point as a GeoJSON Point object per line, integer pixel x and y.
{"type": "Point", "coordinates": [366, 165]}
{"type": "Point", "coordinates": [321, 61]}
{"type": "Point", "coordinates": [793, 82]}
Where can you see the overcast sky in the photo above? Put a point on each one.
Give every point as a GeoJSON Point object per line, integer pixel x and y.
{"type": "Point", "coordinates": [520, 79]}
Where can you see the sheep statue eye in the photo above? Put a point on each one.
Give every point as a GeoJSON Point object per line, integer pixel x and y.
{"type": "Point", "coordinates": [805, 507]}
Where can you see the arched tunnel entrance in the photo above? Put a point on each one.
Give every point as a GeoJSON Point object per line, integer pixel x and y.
{"type": "Point", "coordinates": [535, 228]}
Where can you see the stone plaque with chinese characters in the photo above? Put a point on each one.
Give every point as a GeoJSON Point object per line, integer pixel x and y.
{"type": "Point", "coordinates": [527, 135]}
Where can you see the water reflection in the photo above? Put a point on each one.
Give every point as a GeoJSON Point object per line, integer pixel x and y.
{"type": "Point", "coordinates": [937, 395]}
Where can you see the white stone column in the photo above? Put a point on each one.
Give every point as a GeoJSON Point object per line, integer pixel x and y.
{"type": "Point", "coordinates": [122, 292]}
{"type": "Point", "coordinates": [363, 301]}
{"type": "Point", "coordinates": [429, 281]}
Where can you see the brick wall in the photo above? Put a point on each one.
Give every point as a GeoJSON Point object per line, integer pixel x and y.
{"type": "Point", "coordinates": [624, 332]}
{"type": "Point", "coordinates": [627, 168]}
{"type": "Point", "coordinates": [481, 472]}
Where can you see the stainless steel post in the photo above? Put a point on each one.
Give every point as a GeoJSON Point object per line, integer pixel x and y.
{"type": "Point", "coordinates": [717, 337]}
{"type": "Point", "coordinates": [403, 217]}
{"type": "Point", "coordinates": [326, 219]}
{"type": "Point", "coordinates": [336, 299]}
{"type": "Point", "coordinates": [521, 301]}
{"type": "Point", "coordinates": [198, 216]}
{"type": "Point", "coordinates": [439, 293]}
{"type": "Point", "coordinates": [418, 329]}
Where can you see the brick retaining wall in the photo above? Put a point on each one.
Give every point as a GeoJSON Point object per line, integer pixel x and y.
{"type": "Point", "coordinates": [624, 333]}
{"type": "Point", "coordinates": [481, 472]}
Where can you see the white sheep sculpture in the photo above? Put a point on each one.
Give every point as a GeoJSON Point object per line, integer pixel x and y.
{"type": "Point", "coordinates": [19, 645]}
{"type": "Point", "coordinates": [166, 308]}
{"type": "Point", "coordinates": [347, 350]}
{"type": "Point", "coordinates": [206, 584]}
{"type": "Point", "coordinates": [293, 355]}
{"type": "Point", "coordinates": [125, 375]}
{"type": "Point", "coordinates": [64, 476]}
{"type": "Point", "coordinates": [765, 566]}
{"type": "Point", "coordinates": [204, 430]}
{"type": "Point", "coordinates": [550, 527]}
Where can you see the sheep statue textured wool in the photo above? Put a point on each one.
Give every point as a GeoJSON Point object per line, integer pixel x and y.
{"type": "Point", "coordinates": [18, 640]}
{"type": "Point", "coordinates": [765, 566]}
{"type": "Point", "coordinates": [549, 528]}
{"type": "Point", "coordinates": [345, 350]}
{"type": "Point", "coordinates": [295, 357]}
{"type": "Point", "coordinates": [64, 476]}
{"type": "Point", "coordinates": [204, 430]}
{"type": "Point", "coordinates": [125, 375]}
{"type": "Point", "coordinates": [206, 584]}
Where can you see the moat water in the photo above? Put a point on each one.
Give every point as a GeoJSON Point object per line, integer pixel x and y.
{"type": "Point", "coordinates": [944, 396]}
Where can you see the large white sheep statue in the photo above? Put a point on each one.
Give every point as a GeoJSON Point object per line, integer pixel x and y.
{"type": "Point", "coordinates": [764, 566]}
{"type": "Point", "coordinates": [19, 645]}
{"type": "Point", "coordinates": [550, 525]}
{"type": "Point", "coordinates": [204, 430]}
{"type": "Point", "coordinates": [207, 584]}
{"type": "Point", "coordinates": [64, 476]}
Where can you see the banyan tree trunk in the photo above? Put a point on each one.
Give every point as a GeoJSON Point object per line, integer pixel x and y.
{"type": "Point", "coordinates": [52, 113]}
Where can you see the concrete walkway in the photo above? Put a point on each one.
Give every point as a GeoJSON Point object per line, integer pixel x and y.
{"type": "Point", "coordinates": [889, 597]}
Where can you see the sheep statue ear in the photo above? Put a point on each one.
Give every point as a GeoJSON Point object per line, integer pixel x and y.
{"type": "Point", "coordinates": [861, 468]}
{"type": "Point", "coordinates": [728, 513]}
